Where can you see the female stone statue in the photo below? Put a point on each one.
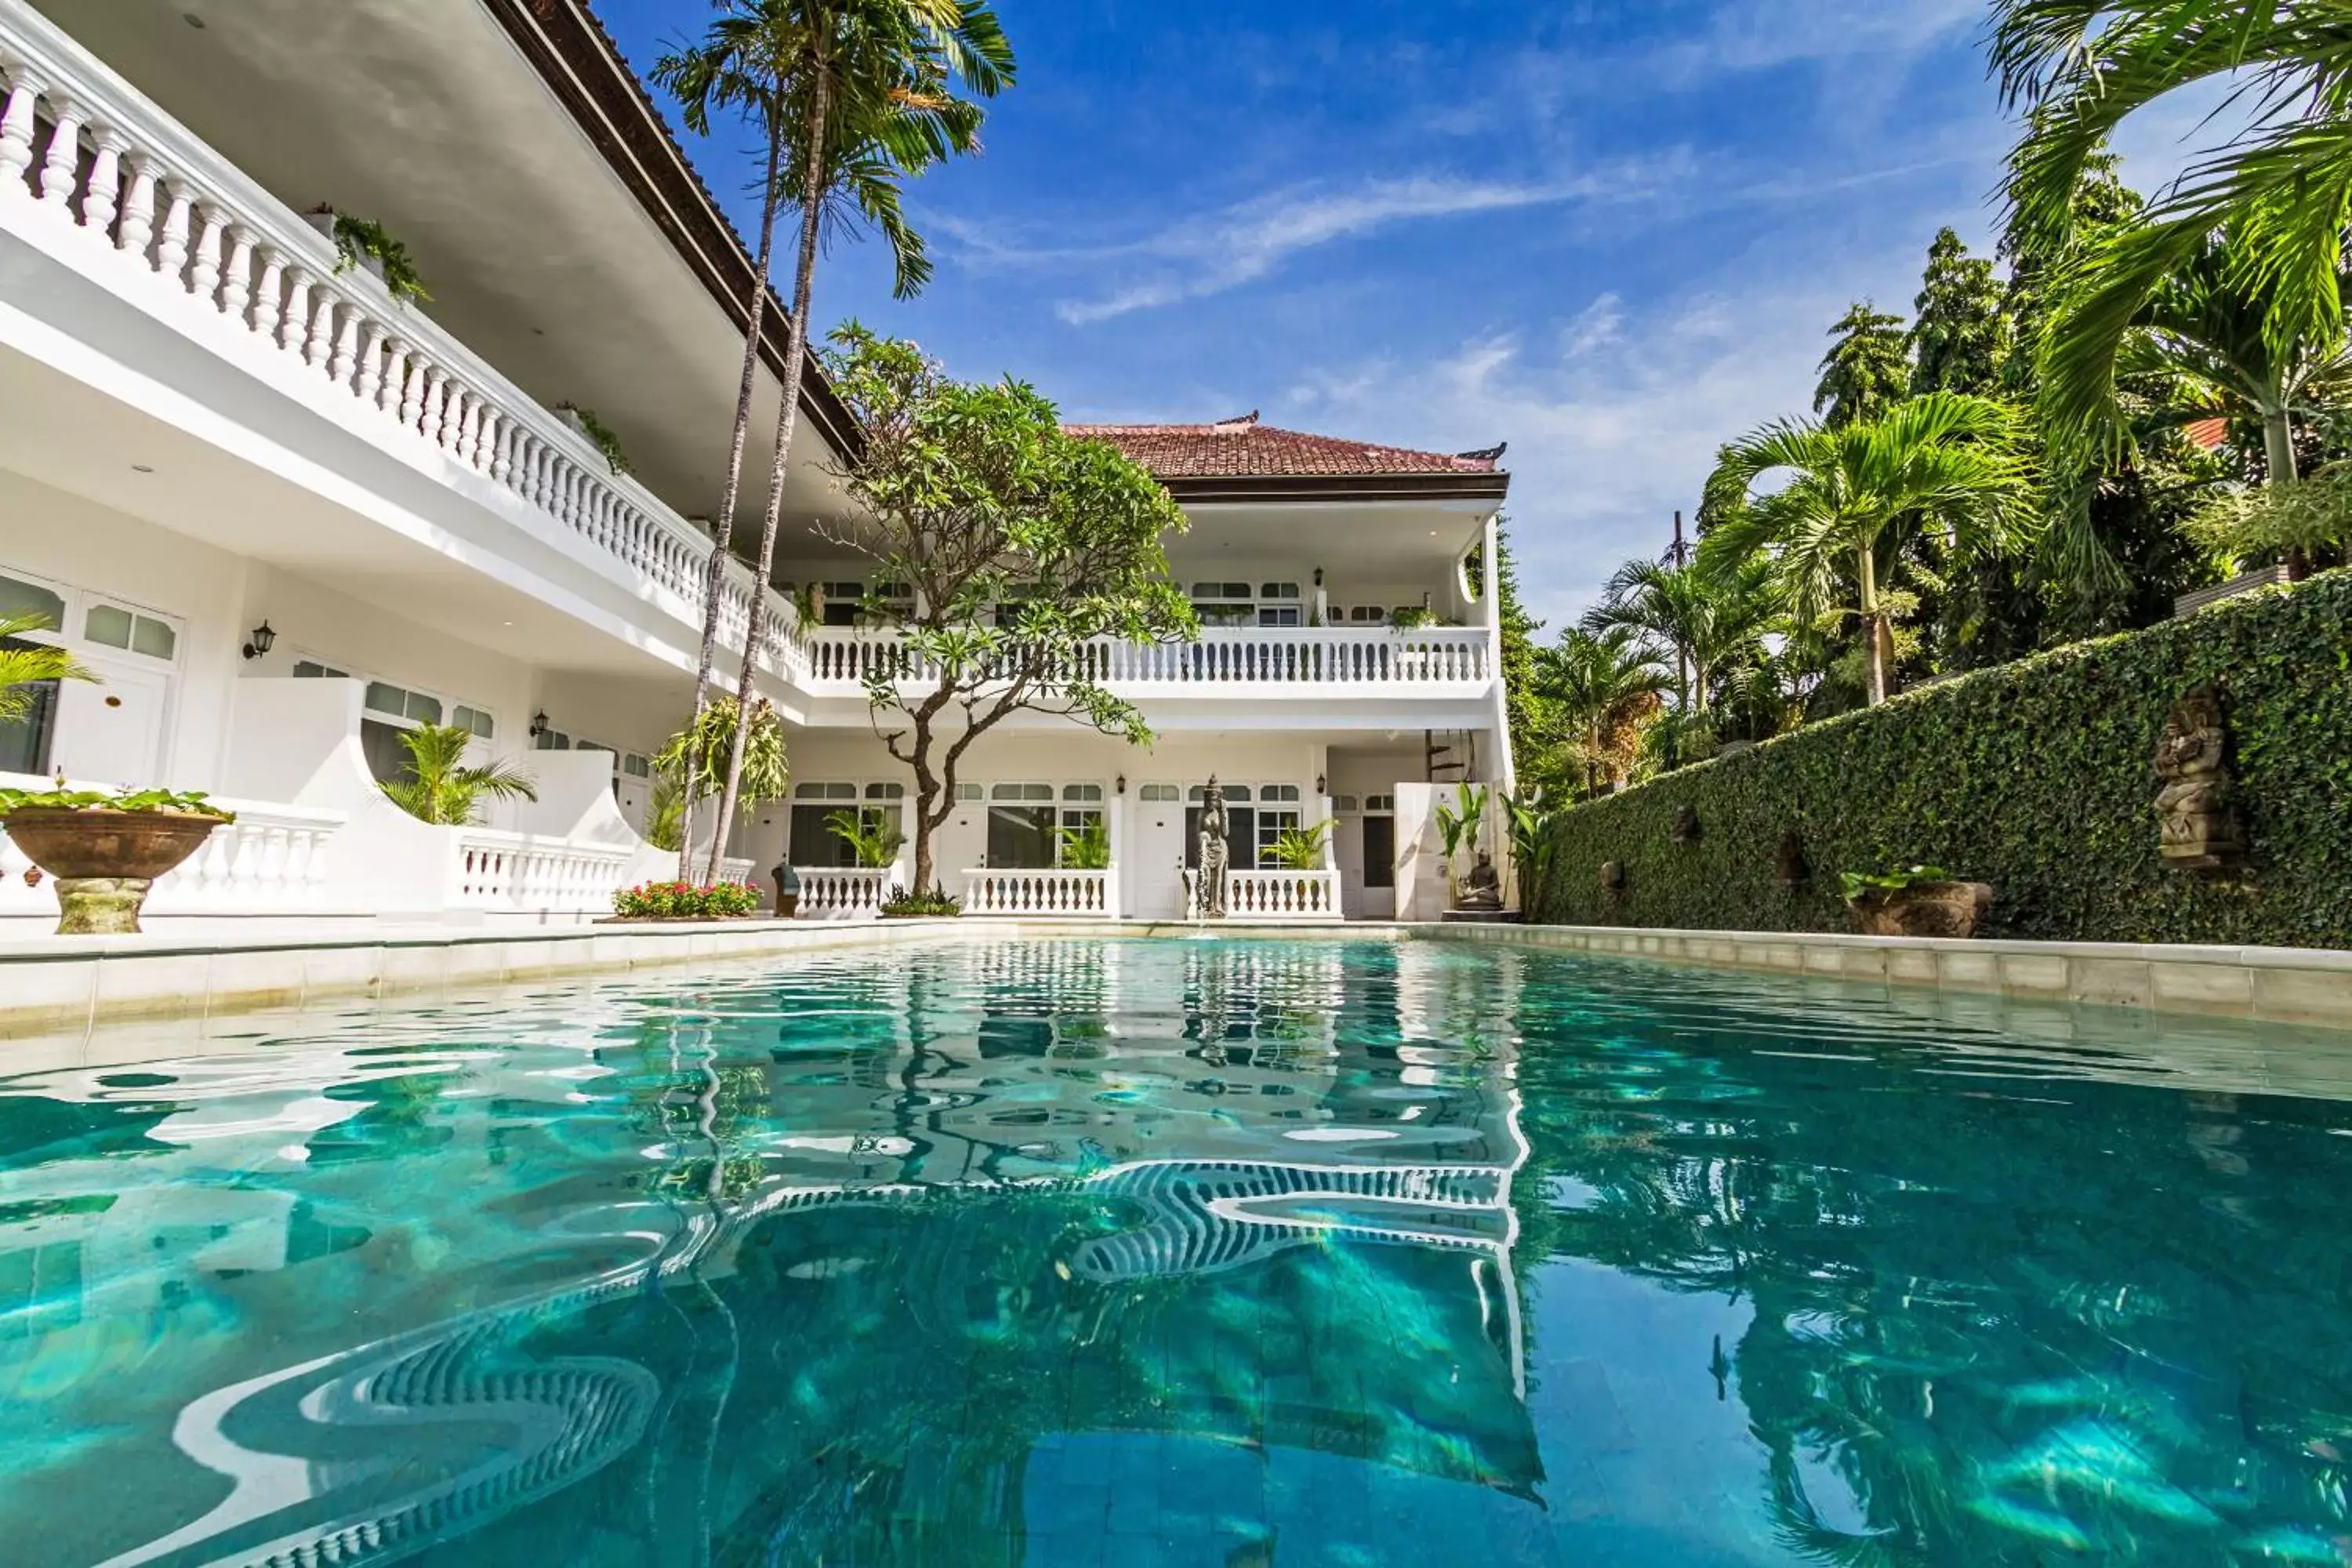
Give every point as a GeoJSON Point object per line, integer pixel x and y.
{"type": "Point", "coordinates": [1215, 825]}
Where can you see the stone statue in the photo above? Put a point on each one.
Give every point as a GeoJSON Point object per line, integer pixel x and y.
{"type": "Point", "coordinates": [2199, 828]}
{"type": "Point", "coordinates": [1483, 888]}
{"type": "Point", "coordinates": [1216, 858]}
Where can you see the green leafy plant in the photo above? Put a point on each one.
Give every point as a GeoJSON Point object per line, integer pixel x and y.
{"type": "Point", "coordinates": [1532, 846]}
{"type": "Point", "coordinates": [600, 434]}
{"type": "Point", "coordinates": [191, 803]}
{"type": "Point", "coordinates": [31, 666]}
{"type": "Point", "coordinates": [664, 806]}
{"type": "Point", "coordinates": [2037, 776]}
{"type": "Point", "coordinates": [1408, 617]}
{"type": "Point", "coordinates": [2292, 521]}
{"type": "Point", "coordinates": [873, 839]}
{"type": "Point", "coordinates": [1458, 824]}
{"type": "Point", "coordinates": [1085, 848]}
{"type": "Point", "coordinates": [687, 900]}
{"type": "Point", "coordinates": [1300, 848]}
{"type": "Point", "coordinates": [442, 788]}
{"type": "Point", "coordinates": [697, 755]}
{"type": "Point", "coordinates": [1852, 885]}
{"type": "Point", "coordinates": [359, 239]}
{"type": "Point", "coordinates": [899, 904]}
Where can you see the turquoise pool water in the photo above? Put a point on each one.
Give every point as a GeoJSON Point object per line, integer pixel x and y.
{"type": "Point", "coordinates": [1177, 1252]}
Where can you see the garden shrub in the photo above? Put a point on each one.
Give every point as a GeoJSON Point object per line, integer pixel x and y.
{"type": "Point", "coordinates": [687, 900]}
{"type": "Point", "coordinates": [2037, 776]}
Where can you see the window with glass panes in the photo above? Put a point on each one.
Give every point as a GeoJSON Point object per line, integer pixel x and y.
{"type": "Point", "coordinates": [1082, 812]}
{"type": "Point", "coordinates": [1277, 810]}
{"type": "Point", "coordinates": [1278, 604]}
{"type": "Point", "coordinates": [389, 710]}
{"type": "Point", "coordinates": [1020, 823]}
{"type": "Point", "coordinates": [24, 743]}
{"type": "Point", "coordinates": [1224, 604]}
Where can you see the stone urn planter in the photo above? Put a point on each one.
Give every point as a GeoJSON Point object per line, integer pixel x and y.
{"type": "Point", "coordinates": [105, 861]}
{"type": "Point", "coordinates": [1922, 909]}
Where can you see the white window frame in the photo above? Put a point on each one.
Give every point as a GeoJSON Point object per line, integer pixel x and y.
{"type": "Point", "coordinates": [338, 670]}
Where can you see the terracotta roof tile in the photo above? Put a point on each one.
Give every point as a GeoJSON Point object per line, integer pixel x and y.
{"type": "Point", "coordinates": [1245, 447]}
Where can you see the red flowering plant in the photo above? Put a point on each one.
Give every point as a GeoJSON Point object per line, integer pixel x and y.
{"type": "Point", "coordinates": [687, 900]}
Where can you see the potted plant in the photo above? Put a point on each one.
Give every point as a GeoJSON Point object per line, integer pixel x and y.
{"type": "Point", "coordinates": [364, 244]}
{"type": "Point", "coordinates": [1921, 900]}
{"type": "Point", "coordinates": [686, 901]}
{"type": "Point", "coordinates": [1300, 848]}
{"type": "Point", "coordinates": [600, 435]}
{"type": "Point", "coordinates": [106, 850]}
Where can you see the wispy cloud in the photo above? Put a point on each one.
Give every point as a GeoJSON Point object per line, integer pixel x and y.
{"type": "Point", "coordinates": [1208, 255]}
{"type": "Point", "coordinates": [1757, 34]}
{"type": "Point", "coordinates": [1596, 326]}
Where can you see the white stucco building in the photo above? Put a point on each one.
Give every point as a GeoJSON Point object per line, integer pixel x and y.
{"type": "Point", "coordinates": [209, 430]}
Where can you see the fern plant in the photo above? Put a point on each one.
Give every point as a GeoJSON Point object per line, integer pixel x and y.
{"type": "Point", "coordinates": [1299, 848]}
{"type": "Point", "coordinates": [441, 788]}
{"type": "Point", "coordinates": [1085, 848]}
{"type": "Point", "coordinates": [873, 839]}
{"type": "Point", "coordinates": [22, 668]}
{"type": "Point", "coordinates": [359, 239]}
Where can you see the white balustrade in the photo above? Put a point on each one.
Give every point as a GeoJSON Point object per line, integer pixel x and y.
{"type": "Point", "coordinates": [1256, 895]}
{"type": "Point", "coordinates": [842, 892]}
{"type": "Point", "coordinates": [843, 658]}
{"type": "Point", "coordinates": [202, 241]}
{"type": "Point", "coordinates": [271, 861]}
{"type": "Point", "coordinates": [1040, 894]}
{"type": "Point", "coordinates": [519, 872]}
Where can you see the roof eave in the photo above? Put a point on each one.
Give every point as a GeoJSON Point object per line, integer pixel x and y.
{"type": "Point", "coordinates": [577, 60]}
{"type": "Point", "coordinates": [1235, 488]}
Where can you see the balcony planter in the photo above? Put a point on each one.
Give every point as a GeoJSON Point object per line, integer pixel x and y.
{"type": "Point", "coordinates": [106, 861]}
{"type": "Point", "coordinates": [1922, 909]}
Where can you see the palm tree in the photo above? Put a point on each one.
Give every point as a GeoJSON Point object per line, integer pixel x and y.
{"type": "Point", "coordinates": [1710, 621]}
{"type": "Point", "coordinates": [2081, 67]}
{"type": "Point", "coordinates": [1605, 682]}
{"type": "Point", "coordinates": [861, 97]}
{"type": "Point", "coordinates": [1947, 461]}
{"type": "Point", "coordinates": [28, 665]}
{"type": "Point", "coordinates": [441, 789]}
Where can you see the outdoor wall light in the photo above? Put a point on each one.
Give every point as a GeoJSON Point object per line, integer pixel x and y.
{"type": "Point", "coordinates": [1121, 785]}
{"type": "Point", "coordinates": [1319, 782]}
{"type": "Point", "coordinates": [539, 724]}
{"type": "Point", "coordinates": [1318, 576]}
{"type": "Point", "coordinates": [262, 639]}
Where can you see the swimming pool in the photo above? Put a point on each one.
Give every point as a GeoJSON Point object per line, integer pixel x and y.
{"type": "Point", "coordinates": [1206, 1252]}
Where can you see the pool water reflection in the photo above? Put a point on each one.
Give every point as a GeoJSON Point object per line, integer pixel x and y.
{"type": "Point", "coordinates": [1183, 1252]}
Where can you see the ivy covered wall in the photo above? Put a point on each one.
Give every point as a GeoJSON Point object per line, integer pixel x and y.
{"type": "Point", "coordinates": [2038, 776]}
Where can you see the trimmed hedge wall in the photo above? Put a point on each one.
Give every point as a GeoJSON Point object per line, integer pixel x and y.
{"type": "Point", "coordinates": [2038, 777]}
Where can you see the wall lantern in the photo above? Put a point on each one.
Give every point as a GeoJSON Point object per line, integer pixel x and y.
{"type": "Point", "coordinates": [1318, 576]}
{"type": "Point", "coordinates": [1121, 785]}
{"type": "Point", "coordinates": [1321, 781]}
{"type": "Point", "coordinates": [539, 724]}
{"type": "Point", "coordinates": [262, 639]}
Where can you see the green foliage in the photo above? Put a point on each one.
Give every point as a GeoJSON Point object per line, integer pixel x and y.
{"type": "Point", "coordinates": [697, 755]}
{"type": "Point", "coordinates": [687, 900]}
{"type": "Point", "coordinates": [1602, 685]}
{"type": "Point", "coordinates": [2291, 521]}
{"type": "Point", "coordinates": [665, 815]}
{"type": "Point", "coordinates": [1867, 370]}
{"type": "Point", "coordinates": [1537, 738]}
{"type": "Point", "coordinates": [1300, 848]}
{"type": "Point", "coordinates": [31, 666]}
{"type": "Point", "coordinates": [1085, 848]}
{"type": "Point", "coordinates": [1960, 335]}
{"type": "Point", "coordinates": [1411, 617]}
{"type": "Point", "coordinates": [358, 238]}
{"type": "Point", "coordinates": [1851, 885]}
{"type": "Point", "coordinates": [441, 788]}
{"type": "Point", "coordinates": [600, 434]}
{"type": "Point", "coordinates": [2038, 777]}
{"type": "Point", "coordinates": [900, 904]}
{"type": "Point", "coordinates": [191, 803]}
{"type": "Point", "coordinates": [1528, 823]}
{"type": "Point", "coordinates": [1457, 824]}
{"type": "Point", "coordinates": [872, 838]}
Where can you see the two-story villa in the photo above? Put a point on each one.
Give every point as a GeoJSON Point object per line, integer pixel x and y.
{"type": "Point", "coordinates": [286, 515]}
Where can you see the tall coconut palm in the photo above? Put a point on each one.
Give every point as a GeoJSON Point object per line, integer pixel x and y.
{"type": "Point", "coordinates": [1947, 461]}
{"type": "Point", "coordinates": [1709, 620]}
{"type": "Point", "coordinates": [2082, 68]}
{"type": "Point", "coordinates": [863, 95]}
{"type": "Point", "coordinates": [1604, 682]}
{"type": "Point", "coordinates": [730, 69]}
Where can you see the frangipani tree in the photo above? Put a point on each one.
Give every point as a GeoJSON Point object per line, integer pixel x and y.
{"type": "Point", "coordinates": [1020, 546]}
{"type": "Point", "coordinates": [1945, 461]}
{"type": "Point", "coordinates": [851, 96]}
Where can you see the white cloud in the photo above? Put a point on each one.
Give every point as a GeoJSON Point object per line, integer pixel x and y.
{"type": "Point", "coordinates": [1208, 255]}
{"type": "Point", "coordinates": [1596, 326]}
{"type": "Point", "coordinates": [1757, 35]}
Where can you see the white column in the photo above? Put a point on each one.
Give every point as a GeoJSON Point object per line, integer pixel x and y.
{"type": "Point", "coordinates": [65, 154]}
{"type": "Point", "coordinates": [138, 230]}
{"type": "Point", "coordinates": [98, 203]}
{"type": "Point", "coordinates": [1114, 884]}
{"type": "Point", "coordinates": [16, 122]}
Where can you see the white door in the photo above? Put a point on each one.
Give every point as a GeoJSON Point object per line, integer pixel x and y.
{"type": "Point", "coordinates": [1347, 854]}
{"type": "Point", "coordinates": [1157, 828]}
{"type": "Point", "coordinates": [113, 732]}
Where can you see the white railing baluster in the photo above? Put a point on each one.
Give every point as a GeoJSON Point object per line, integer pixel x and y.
{"type": "Point", "coordinates": [62, 167]}
{"type": "Point", "coordinates": [100, 199]}
{"type": "Point", "coordinates": [236, 273]}
{"type": "Point", "coordinates": [261, 315]}
{"type": "Point", "coordinates": [172, 248]}
{"type": "Point", "coordinates": [16, 122]}
{"type": "Point", "coordinates": [205, 262]}
{"type": "Point", "coordinates": [135, 232]}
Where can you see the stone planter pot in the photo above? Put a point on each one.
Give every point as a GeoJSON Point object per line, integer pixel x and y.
{"type": "Point", "coordinates": [1922, 909]}
{"type": "Point", "coordinates": [105, 861]}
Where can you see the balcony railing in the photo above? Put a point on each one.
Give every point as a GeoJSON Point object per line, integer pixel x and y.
{"type": "Point", "coordinates": [840, 660]}
{"type": "Point", "coordinates": [1255, 895]}
{"type": "Point", "coordinates": [1041, 894]}
{"type": "Point", "coordinates": [86, 155]}
{"type": "Point", "coordinates": [843, 893]}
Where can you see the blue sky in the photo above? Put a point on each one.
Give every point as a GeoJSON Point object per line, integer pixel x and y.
{"type": "Point", "coordinates": [1611, 232]}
